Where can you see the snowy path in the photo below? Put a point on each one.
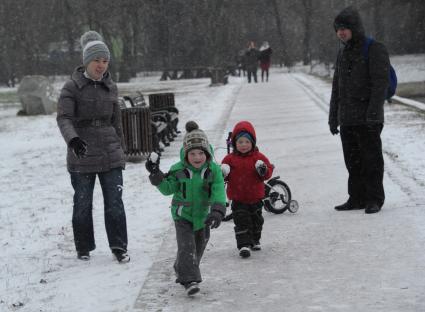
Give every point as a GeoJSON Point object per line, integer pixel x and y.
{"type": "Point", "coordinates": [317, 259]}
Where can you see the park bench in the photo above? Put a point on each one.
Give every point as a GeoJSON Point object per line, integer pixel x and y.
{"type": "Point", "coordinates": [164, 103]}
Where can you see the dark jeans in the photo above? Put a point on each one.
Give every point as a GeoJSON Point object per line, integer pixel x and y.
{"type": "Point", "coordinates": [190, 248]}
{"type": "Point", "coordinates": [266, 71]}
{"type": "Point", "coordinates": [252, 73]}
{"type": "Point", "coordinates": [248, 219]}
{"type": "Point", "coordinates": [362, 149]}
{"type": "Point", "coordinates": [82, 217]}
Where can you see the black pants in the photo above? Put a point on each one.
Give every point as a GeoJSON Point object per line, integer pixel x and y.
{"type": "Point", "coordinates": [190, 248]}
{"type": "Point", "coordinates": [362, 149]}
{"type": "Point", "coordinates": [82, 217]}
{"type": "Point", "coordinates": [252, 73]}
{"type": "Point", "coordinates": [248, 219]}
{"type": "Point", "coordinates": [266, 71]}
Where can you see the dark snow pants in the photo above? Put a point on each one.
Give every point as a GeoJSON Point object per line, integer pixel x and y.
{"type": "Point", "coordinates": [82, 217]}
{"type": "Point", "coordinates": [363, 157]}
{"type": "Point", "coordinates": [190, 248]}
{"type": "Point", "coordinates": [248, 219]}
{"type": "Point", "coordinates": [252, 73]}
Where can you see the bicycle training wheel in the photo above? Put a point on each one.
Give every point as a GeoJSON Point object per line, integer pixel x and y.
{"type": "Point", "coordinates": [278, 197]}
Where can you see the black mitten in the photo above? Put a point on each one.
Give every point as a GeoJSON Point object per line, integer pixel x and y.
{"type": "Point", "coordinates": [213, 219]}
{"type": "Point", "coordinates": [79, 147]}
{"type": "Point", "coordinates": [152, 163]}
{"type": "Point", "coordinates": [261, 168]}
{"type": "Point", "coordinates": [156, 177]}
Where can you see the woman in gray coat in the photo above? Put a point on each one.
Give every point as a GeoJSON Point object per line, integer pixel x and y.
{"type": "Point", "coordinates": [89, 119]}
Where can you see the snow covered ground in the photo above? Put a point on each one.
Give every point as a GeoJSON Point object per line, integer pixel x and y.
{"type": "Point", "coordinates": [315, 260]}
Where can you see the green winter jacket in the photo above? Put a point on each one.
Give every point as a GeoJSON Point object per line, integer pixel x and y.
{"type": "Point", "coordinates": [196, 192]}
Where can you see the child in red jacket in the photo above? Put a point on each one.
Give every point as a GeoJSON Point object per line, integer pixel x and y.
{"type": "Point", "coordinates": [245, 170]}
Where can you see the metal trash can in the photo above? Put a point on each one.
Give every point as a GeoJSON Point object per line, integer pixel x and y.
{"type": "Point", "coordinates": [136, 122]}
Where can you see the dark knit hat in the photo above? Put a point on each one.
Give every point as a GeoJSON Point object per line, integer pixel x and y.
{"type": "Point", "coordinates": [195, 138]}
{"type": "Point", "coordinates": [245, 134]}
{"type": "Point", "coordinates": [93, 47]}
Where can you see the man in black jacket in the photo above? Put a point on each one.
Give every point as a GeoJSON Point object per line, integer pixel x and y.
{"type": "Point", "coordinates": [359, 89]}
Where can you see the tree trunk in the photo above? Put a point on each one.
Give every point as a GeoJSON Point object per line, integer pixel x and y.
{"type": "Point", "coordinates": [286, 61]}
{"type": "Point", "coordinates": [307, 31]}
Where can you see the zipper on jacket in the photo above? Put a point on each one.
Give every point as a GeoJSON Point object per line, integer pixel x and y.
{"type": "Point", "coordinates": [184, 190]}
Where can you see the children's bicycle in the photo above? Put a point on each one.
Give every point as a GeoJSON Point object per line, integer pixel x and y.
{"type": "Point", "coordinates": [278, 197]}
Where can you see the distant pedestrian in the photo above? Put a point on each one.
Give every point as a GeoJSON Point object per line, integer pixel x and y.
{"type": "Point", "coordinates": [251, 61]}
{"type": "Point", "coordinates": [89, 119]}
{"type": "Point", "coordinates": [245, 170]}
{"type": "Point", "coordinates": [265, 60]}
{"type": "Point", "coordinates": [240, 63]}
{"type": "Point", "coordinates": [357, 107]}
{"type": "Point", "coordinates": [198, 203]}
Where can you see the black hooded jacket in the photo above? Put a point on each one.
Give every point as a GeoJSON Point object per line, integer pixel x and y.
{"type": "Point", "coordinates": [359, 83]}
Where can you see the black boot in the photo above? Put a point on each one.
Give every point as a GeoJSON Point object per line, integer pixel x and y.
{"type": "Point", "coordinates": [350, 205]}
{"type": "Point", "coordinates": [121, 255]}
{"type": "Point", "coordinates": [244, 252]}
{"type": "Point", "coordinates": [191, 288]}
{"type": "Point", "coordinates": [372, 208]}
{"type": "Point", "coordinates": [83, 255]}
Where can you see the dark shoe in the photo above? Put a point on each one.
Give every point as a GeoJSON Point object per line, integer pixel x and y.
{"type": "Point", "coordinates": [372, 208]}
{"type": "Point", "coordinates": [349, 205]}
{"type": "Point", "coordinates": [244, 252]}
{"type": "Point", "coordinates": [83, 255]}
{"type": "Point", "coordinates": [121, 255]}
{"type": "Point", "coordinates": [256, 246]}
{"type": "Point", "coordinates": [192, 288]}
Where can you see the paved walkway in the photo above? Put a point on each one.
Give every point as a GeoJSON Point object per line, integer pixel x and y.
{"type": "Point", "coordinates": [317, 259]}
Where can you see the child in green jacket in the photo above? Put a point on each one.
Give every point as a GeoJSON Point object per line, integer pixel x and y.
{"type": "Point", "coordinates": [198, 203]}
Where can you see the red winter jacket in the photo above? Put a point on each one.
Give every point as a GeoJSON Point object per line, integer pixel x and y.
{"type": "Point", "coordinates": [244, 184]}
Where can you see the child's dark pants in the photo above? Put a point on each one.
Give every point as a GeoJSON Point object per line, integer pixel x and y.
{"type": "Point", "coordinates": [248, 219]}
{"type": "Point", "coordinates": [190, 248]}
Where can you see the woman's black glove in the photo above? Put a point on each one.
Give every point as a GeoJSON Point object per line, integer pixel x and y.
{"type": "Point", "coordinates": [79, 147]}
{"type": "Point", "coordinates": [152, 166]}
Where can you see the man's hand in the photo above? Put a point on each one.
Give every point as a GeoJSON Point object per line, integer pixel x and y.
{"type": "Point", "coordinates": [333, 128]}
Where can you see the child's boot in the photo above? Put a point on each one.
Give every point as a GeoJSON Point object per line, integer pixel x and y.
{"type": "Point", "coordinates": [256, 246]}
{"type": "Point", "coordinates": [244, 252]}
{"type": "Point", "coordinates": [192, 288]}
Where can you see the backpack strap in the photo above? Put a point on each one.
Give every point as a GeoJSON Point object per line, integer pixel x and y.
{"type": "Point", "coordinates": [368, 41]}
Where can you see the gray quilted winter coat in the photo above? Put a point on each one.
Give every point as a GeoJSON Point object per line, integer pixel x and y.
{"type": "Point", "coordinates": [89, 109]}
{"type": "Point", "coordinates": [359, 83]}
